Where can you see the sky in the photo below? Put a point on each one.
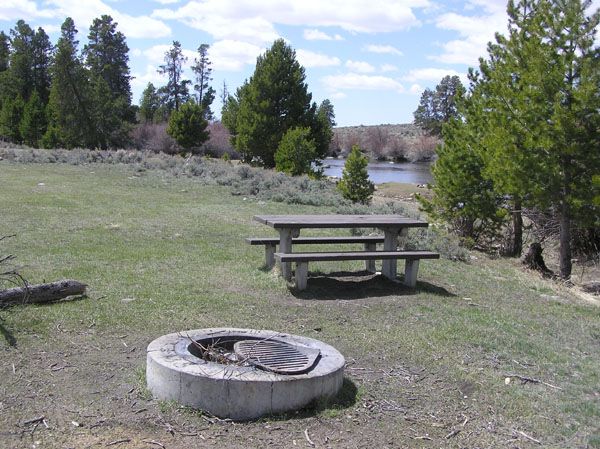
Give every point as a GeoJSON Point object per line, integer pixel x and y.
{"type": "Point", "coordinates": [371, 58]}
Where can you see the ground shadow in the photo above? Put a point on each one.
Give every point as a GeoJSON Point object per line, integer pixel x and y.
{"type": "Point", "coordinates": [8, 336]}
{"type": "Point", "coordinates": [360, 285]}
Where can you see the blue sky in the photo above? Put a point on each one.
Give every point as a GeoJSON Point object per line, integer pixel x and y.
{"type": "Point", "coordinates": [371, 58]}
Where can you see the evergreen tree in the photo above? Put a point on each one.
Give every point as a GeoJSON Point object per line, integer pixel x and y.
{"type": "Point", "coordinates": [71, 122]}
{"type": "Point", "coordinates": [21, 59]}
{"type": "Point", "coordinates": [439, 106]}
{"type": "Point", "coordinates": [205, 93]}
{"type": "Point", "coordinates": [107, 59]}
{"type": "Point", "coordinates": [149, 104]}
{"type": "Point", "coordinates": [274, 100]}
{"type": "Point", "coordinates": [10, 118]}
{"type": "Point", "coordinates": [4, 51]}
{"type": "Point", "coordinates": [323, 129]}
{"type": "Point", "coordinates": [40, 64]}
{"type": "Point", "coordinates": [176, 92]}
{"type": "Point", "coordinates": [33, 122]}
{"type": "Point", "coordinates": [542, 85]}
{"type": "Point", "coordinates": [107, 56]}
{"type": "Point", "coordinates": [188, 126]}
{"type": "Point", "coordinates": [355, 184]}
{"type": "Point", "coordinates": [462, 195]}
{"type": "Point", "coordinates": [296, 152]}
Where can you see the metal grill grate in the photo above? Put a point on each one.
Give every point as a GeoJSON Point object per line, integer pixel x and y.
{"type": "Point", "coordinates": [277, 356]}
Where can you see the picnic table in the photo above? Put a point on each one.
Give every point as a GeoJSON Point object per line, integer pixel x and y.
{"type": "Point", "coordinates": [394, 228]}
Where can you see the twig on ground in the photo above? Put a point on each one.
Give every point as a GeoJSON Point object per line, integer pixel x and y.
{"type": "Point", "coordinates": [526, 379]}
{"type": "Point", "coordinates": [523, 434]}
{"type": "Point", "coordinates": [308, 438]}
{"type": "Point", "coordinates": [38, 420]}
{"type": "Point", "coordinates": [124, 440]}
{"type": "Point", "coordinates": [154, 442]}
{"type": "Point", "coordinates": [453, 434]}
{"type": "Point", "coordinates": [422, 438]}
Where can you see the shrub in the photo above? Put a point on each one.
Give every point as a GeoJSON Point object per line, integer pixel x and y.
{"type": "Point", "coordinates": [296, 152]}
{"type": "Point", "coordinates": [355, 185]}
{"type": "Point", "coordinates": [188, 126]}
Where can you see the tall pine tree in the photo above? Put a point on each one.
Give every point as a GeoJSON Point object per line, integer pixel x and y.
{"type": "Point", "coordinates": [176, 92]}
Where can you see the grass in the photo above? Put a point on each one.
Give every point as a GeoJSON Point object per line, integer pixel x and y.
{"type": "Point", "coordinates": [163, 253]}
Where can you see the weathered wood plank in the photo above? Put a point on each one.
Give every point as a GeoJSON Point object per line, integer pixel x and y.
{"type": "Point", "coordinates": [354, 255]}
{"type": "Point", "coordinates": [339, 221]}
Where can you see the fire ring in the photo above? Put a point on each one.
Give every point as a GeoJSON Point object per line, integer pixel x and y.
{"type": "Point", "coordinates": [176, 370]}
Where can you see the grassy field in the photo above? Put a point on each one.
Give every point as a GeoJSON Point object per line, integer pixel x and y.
{"type": "Point", "coordinates": [425, 368]}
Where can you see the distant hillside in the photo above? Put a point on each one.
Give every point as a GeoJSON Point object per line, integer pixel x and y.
{"type": "Point", "coordinates": [385, 142]}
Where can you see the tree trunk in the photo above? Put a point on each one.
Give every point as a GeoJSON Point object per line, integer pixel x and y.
{"type": "Point", "coordinates": [518, 228]}
{"type": "Point", "coordinates": [42, 292]}
{"type": "Point", "coordinates": [565, 242]}
{"type": "Point", "coordinates": [535, 261]}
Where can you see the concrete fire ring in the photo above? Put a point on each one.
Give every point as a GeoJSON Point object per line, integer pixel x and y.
{"type": "Point", "coordinates": [237, 392]}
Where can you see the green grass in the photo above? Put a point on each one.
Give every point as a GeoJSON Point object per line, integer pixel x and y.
{"type": "Point", "coordinates": [174, 249]}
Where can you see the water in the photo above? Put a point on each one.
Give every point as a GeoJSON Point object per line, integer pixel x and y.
{"type": "Point", "coordinates": [381, 172]}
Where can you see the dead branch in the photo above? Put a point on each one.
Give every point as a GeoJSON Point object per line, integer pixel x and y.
{"type": "Point", "coordinates": [526, 379]}
{"type": "Point", "coordinates": [308, 438]}
{"type": "Point", "coordinates": [42, 292]}
{"type": "Point", "coordinates": [124, 440]}
{"type": "Point", "coordinates": [523, 434]}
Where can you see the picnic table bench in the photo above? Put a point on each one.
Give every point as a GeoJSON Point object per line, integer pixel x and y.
{"type": "Point", "coordinates": [394, 228]}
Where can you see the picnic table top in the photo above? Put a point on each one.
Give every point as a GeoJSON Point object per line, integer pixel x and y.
{"type": "Point", "coordinates": [339, 221]}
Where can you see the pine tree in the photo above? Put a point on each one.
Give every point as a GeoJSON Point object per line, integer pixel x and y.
{"type": "Point", "coordinates": [176, 92]}
{"type": "Point", "coordinates": [188, 126]}
{"type": "Point", "coordinates": [274, 100]}
{"type": "Point", "coordinates": [21, 59]}
{"type": "Point", "coordinates": [33, 122]}
{"type": "Point", "coordinates": [542, 84]}
{"type": "Point", "coordinates": [149, 104]}
{"type": "Point", "coordinates": [4, 51]}
{"type": "Point", "coordinates": [205, 93]}
{"type": "Point", "coordinates": [10, 118]}
{"type": "Point", "coordinates": [106, 56]}
{"type": "Point", "coordinates": [71, 122]}
{"type": "Point", "coordinates": [355, 184]}
{"type": "Point", "coordinates": [439, 106]}
{"type": "Point", "coordinates": [41, 59]}
{"type": "Point", "coordinates": [296, 152]}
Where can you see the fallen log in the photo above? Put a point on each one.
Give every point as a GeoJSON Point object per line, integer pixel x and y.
{"type": "Point", "coordinates": [42, 292]}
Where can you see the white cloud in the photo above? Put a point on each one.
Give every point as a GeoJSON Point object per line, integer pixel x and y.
{"type": "Point", "coordinates": [338, 96]}
{"type": "Point", "coordinates": [355, 81]}
{"type": "Point", "coordinates": [84, 12]}
{"type": "Point", "coordinates": [430, 74]}
{"type": "Point", "coordinates": [311, 59]}
{"type": "Point", "coordinates": [255, 21]}
{"type": "Point", "coordinates": [149, 76]}
{"type": "Point", "coordinates": [416, 89]}
{"type": "Point", "coordinates": [166, 2]}
{"type": "Point", "coordinates": [232, 56]}
{"type": "Point", "coordinates": [156, 54]}
{"type": "Point", "coordinates": [23, 9]}
{"type": "Point", "coordinates": [360, 66]}
{"type": "Point", "coordinates": [384, 49]}
{"type": "Point", "coordinates": [475, 31]}
{"type": "Point", "coordinates": [135, 52]}
{"type": "Point", "coordinates": [317, 35]}
{"type": "Point", "coordinates": [388, 68]}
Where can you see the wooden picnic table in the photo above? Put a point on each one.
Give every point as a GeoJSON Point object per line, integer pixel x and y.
{"type": "Point", "coordinates": [394, 228]}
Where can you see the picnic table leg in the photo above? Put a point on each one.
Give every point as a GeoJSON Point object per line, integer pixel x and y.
{"type": "Point", "coordinates": [285, 246]}
{"type": "Point", "coordinates": [370, 264]}
{"type": "Point", "coordinates": [390, 243]}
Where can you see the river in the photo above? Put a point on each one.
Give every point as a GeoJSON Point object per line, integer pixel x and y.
{"type": "Point", "coordinates": [382, 172]}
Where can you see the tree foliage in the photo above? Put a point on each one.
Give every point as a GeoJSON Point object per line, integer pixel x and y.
{"type": "Point", "coordinates": [203, 70]}
{"type": "Point", "coordinates": [176, 91]}
{"type": "Point", "coordinates": [439, 106]}
{"type": "Point", "coordinates": [272, 101]}
{"type": "Point", "coordinates": [188, 126]}
{"type": "Point", "coordinates": [535, 103]}
{"type": "Point", "coordinates": [355, 184]}
{"type": "Point", "coordinates": [296, 152]}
